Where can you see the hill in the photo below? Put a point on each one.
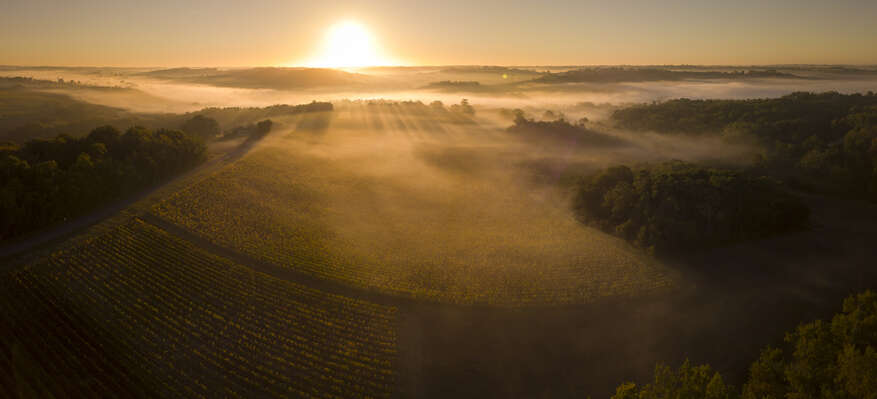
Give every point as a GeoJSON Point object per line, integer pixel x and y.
{"type": "Point", "coordinates": [262, 78]}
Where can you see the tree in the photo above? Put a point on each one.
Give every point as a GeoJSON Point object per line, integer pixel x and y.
{"type": "Point", "coordinates": [824, 142]}
{"type": "Point", "coordinates": [263, 127]}
{"type": "Point", "coordinates": [463, 108]}
{"type": "Point", "coordinates": [766, 376]}
{"type": "Point", "coordinates": [201, 126]}
{"type": "Point", "coordinates": [833, 360]}
{"type": "Point", "coordinates": [688, 382]}
{"type": "Point", "coordinates": [72, 175]}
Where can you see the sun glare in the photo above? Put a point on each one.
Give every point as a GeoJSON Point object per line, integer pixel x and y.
{"type": "Point", "coordinates": [348, 44]}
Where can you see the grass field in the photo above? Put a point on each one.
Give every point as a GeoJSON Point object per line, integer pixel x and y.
{"type": "Point", "coordinates": [139, 313]}
{"type": "Point", "coordinates": [395, 199]}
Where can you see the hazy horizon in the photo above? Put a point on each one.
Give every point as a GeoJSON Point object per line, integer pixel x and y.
{"type": "Point", "coordinates": [532, 66]}
{"type": "Point", "coordinates": [271, 33]}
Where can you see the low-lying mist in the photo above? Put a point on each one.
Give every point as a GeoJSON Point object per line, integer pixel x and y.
{"type": "Point", "coordinates": [423, 199]}
{"type": "Point", "coordinates": [152, 91]}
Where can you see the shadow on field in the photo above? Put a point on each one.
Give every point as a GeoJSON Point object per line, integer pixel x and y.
{"type": "Point", "coordinates": [314, 123]}
{"type": "Point", "coordinates": [733, 302]}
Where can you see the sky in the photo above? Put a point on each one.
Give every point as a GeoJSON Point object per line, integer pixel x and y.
{"type": "Point", "coordinates": [163, 33]}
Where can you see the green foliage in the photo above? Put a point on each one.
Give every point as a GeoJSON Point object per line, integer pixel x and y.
{"type": "Point", "coordinates": [766, 376]}
{"type": "Point", "coordinates": [46, 181]}
{"type": "Point", "coordinates": [836, 360]}
{"type": "Point", "coordinates": [792, 118]}
{"type": "Point", "coordinates": [825, 142]}
{"type": "Point", "coordinates": [676, 205]}
{"type": "Point", "coordinates": [825, 360]}
{"type": "Point", "coordinates": [560, 130]}
{"type": "Point", "coordinates": [201, 126]}
{"type": "Point", "coordinates": [688, 382]}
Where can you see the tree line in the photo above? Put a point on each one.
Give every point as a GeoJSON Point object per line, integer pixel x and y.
{"type": "Point", "coordinates": [620, 74]}
{"type": "Point", "coordinates": [559, 130]}
{"type": "Point", "coordinates": [823, 142]}
{"type": "Point", "coordinates": [208, 122]}
{"type": "Point", "coordinates": [47, 181]}
{"type": "Point", "coordinates": [252, 131]}
{"type": "Point", "coordinates": [822, 359]}
{"type": "Point", "coordinates": [676, 206]}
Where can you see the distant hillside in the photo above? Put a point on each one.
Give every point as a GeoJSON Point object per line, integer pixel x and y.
{"type": "Point", "coordinates": [39, 109]}
{"type": "Point", "coordinates": [262, 78]}
{"type": "Point", "coordinates": [457, 86]}
{"type": "Point", "coordinates": [617, 75]}
{"type": "Point", "coordinates": [28, 114]}
{"type": "Point", "coordinates": [9, 82]}
{"type": "Point", "coordinates": [489, 70]}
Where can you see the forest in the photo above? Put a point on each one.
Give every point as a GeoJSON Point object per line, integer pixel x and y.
{"type": "Point", "coordinates": [819, 359]}
{"type": "Point", "coordinates": [823, 142]}
{"type": "Point", "coordinates": [676, 206]}
{"type": "Point", "coordinates": [47, 181]}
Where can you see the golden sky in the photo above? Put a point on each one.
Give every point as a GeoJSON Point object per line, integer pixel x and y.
{"type": "Point", "coordinates": [513, 32]}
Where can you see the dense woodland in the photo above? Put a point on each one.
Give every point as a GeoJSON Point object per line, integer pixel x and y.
{"type": "Point", "coordinates": [47, 181]}
{"type": "Point", "coordinates": [676, 206]}
{"type": "Point", "coordinates": [821, 359]}
{"type": "Point", "coordinates": [824, 142]}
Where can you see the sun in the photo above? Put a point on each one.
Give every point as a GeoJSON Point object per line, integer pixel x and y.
{"type": "Point", "coordinates": [348, 44]}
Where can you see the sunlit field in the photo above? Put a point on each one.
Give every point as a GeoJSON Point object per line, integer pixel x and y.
{"type": "Point", "coordinates": [406, 200]}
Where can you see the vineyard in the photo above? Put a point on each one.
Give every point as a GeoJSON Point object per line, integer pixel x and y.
{"type": "Point", "coordinates": [140, 313]}
{"type": "Point", "coordinates": [363, 206]}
